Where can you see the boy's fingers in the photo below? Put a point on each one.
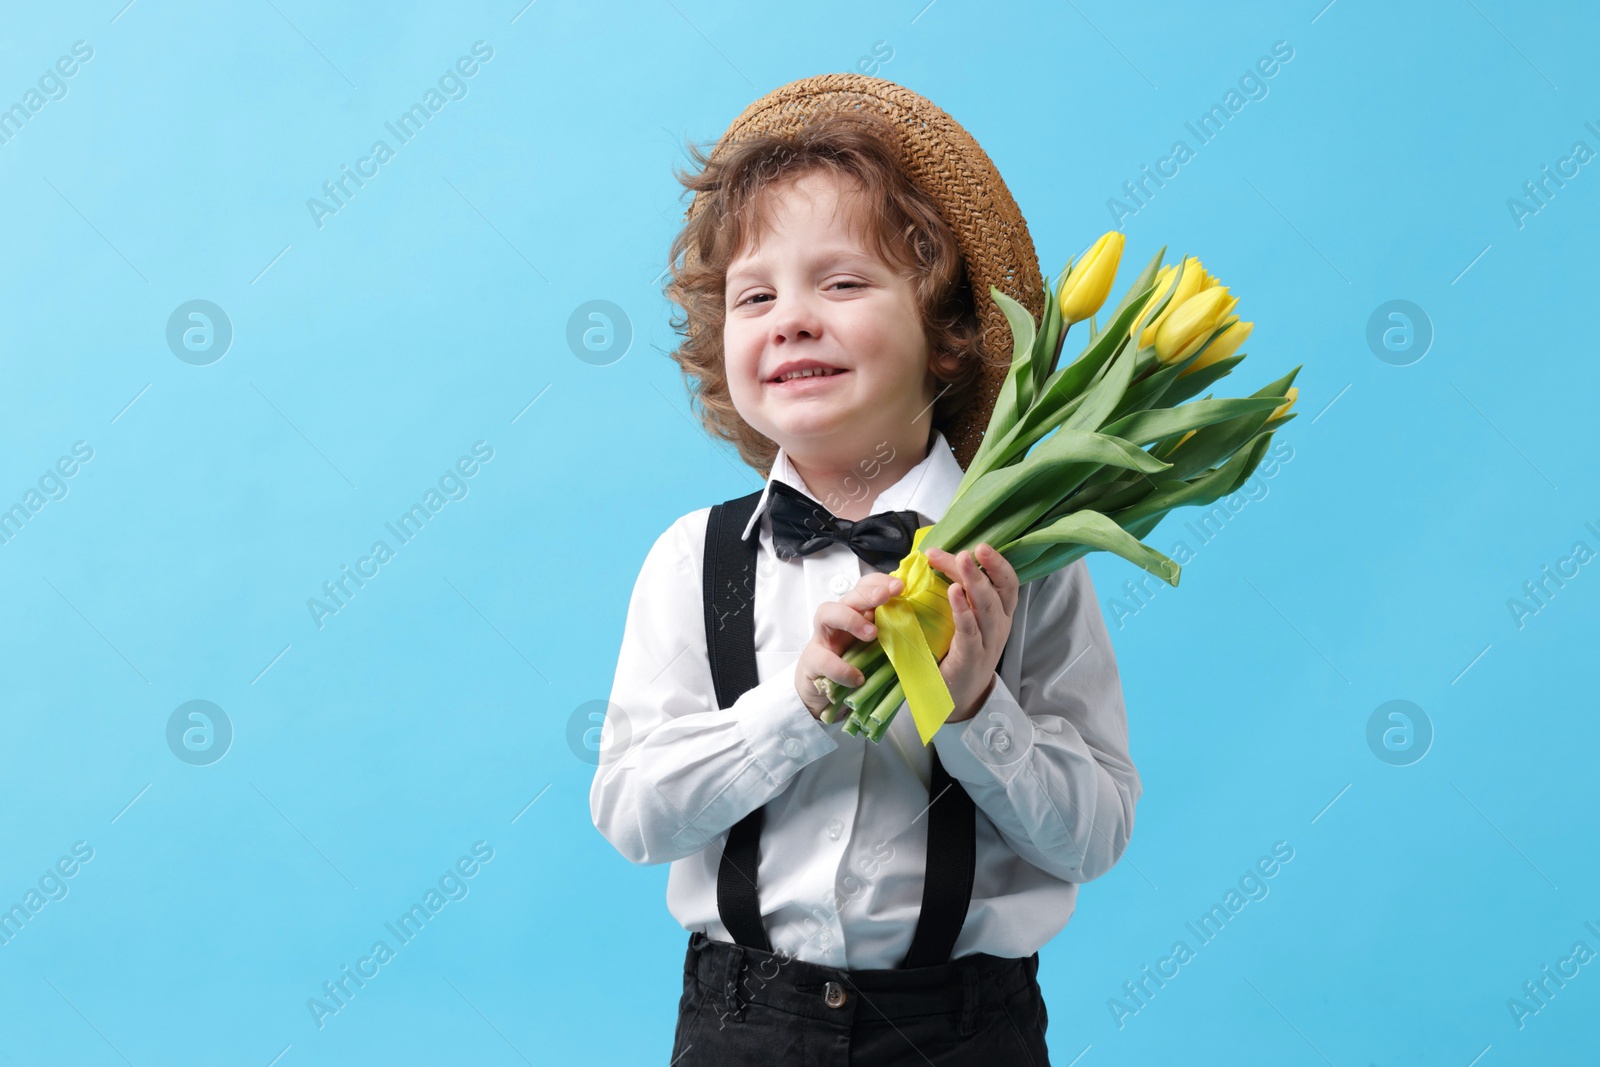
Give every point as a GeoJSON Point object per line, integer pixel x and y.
{"type": "Point", "coordinates": [809, 684]}
{"type": "Point", "coordinates": [950, 564]}
{"type": "Point", "coordinates": [825, 664]}
{"type": "Point", "coordinates": [834, 617]}
{"type": "Point", "coordinates": [872, 590]}
{"type": "Point", "coordinates": [962, 614]}
{"type": "Point", "coordinates": [992, 589]}
{"type": "Point", "coordinates": [980, 588]}
{"type": "Point", "coordinates": [1002, 574]}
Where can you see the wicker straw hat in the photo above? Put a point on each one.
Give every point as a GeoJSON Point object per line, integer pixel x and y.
{"type": "Point", "coordinates": [944, 162]}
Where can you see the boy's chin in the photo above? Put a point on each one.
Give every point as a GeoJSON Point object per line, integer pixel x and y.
{"type": "Point", "coordinates": [845, 441]}
{"type": "Point", "coordinates": [815, 428]}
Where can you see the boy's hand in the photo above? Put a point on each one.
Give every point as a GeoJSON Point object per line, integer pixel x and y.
{"type": "Point", "coordinates": [837, 625]}
{"type": "Point", "coordinates": [982, 603]}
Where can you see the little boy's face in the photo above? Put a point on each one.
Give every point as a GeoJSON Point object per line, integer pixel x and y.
{"type": "Point", "coordinates": [816, 294]}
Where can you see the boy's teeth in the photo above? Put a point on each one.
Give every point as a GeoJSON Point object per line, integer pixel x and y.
{"type": "Point", "coordinates": [809, 373]}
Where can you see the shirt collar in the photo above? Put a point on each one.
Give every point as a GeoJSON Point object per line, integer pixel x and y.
{"type": "Point", "coordinates": [926, 488]}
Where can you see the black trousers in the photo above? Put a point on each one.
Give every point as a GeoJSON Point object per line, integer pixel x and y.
{"type": "Point", "coordinates": [741, 1006]}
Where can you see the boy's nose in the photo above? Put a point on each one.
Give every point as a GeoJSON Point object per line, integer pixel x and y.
{"type": "Point", "coordinates": [793, 319]}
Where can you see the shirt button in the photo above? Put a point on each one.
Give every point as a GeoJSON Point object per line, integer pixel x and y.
{"type": "Point", "coordinates": [792, 748]}
{"type": "Point", "coordinates": [835, 828]}
{"type": "Point", "coordinates": [833, 995]}
{"type": "Point", "coordinates": [997, 739]}
{"type": "Point", "coordinates": [840, 585]}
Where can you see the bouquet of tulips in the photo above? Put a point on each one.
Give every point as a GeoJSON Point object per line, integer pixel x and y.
{"type": "Point", "coordinates": [1088, 457]}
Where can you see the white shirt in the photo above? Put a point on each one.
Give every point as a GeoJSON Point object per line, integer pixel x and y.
{"type": "Point", "coordinates": [843, 846]}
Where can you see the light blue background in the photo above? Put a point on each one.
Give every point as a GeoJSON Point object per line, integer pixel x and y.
{"type": "Point", "coordinates": [431, 312]}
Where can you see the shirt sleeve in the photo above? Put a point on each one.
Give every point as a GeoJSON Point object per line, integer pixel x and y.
{"type": "Point", "coordinates": [1049, 764]}
{"type": "Point", "coordinates": [675, 770]}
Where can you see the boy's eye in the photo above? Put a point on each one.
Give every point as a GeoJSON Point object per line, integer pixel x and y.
{"type": "Point", "coordinates": [768, 296]}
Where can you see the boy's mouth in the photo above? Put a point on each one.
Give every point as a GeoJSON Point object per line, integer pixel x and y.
{"type": "Point", "coordinates": [808, 371]}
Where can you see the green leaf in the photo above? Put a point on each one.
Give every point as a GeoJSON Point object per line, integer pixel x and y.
{"type": "Point", "coordinates": [1110, 489]}
{"type": "Point", "coordinates": [1096, 531]}
{"type": "Point", "coordinates": [1105, 395]}
{"type": "Point", "coordinates": [1279, 388]}
{"type": "Point", "coordinates": [1016, 395]}
{"type": "Point", "coordinates": [1142, 427]}
{"type": "Point", "coordinates": [1216, 483]}
{"type": "Point", "coordinates": [1049, 561]}
{"type": "Point", "coordinates": [1193, 384]}
{"type": "Point", "coordinates": [1013, 498]}
{"type": "Point", "coordinates": [1084, 446]}
{"type": "Point", "coordinates": [1049, 341]}
{"type": "Point", "coordinates": [1071, 380]}
{"type": "Point", "coordinates": [1063, 388]}
{"type": "Point", "coordinates": [1147, 392]}
{"type": "Point", "coordinates": [1014, 398]}
{"type": "Point", "coordinates": [1212, 444]}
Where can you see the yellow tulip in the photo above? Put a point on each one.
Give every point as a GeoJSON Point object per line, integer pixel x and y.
{"type": "Point", "coordinates": [1183, 332]}
{"type": "Point", "coordinates": [1194, 280]}
{"type": "Point", "coordinates": [1288, 402]}
{"type": "Point", "coordinates": [1163, 282]}
{"type": "Point", "coordinates": [1234, 333]}
{"type": "Point", "coordinates": [1088, 282]}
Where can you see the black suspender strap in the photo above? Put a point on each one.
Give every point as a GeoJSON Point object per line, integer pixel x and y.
{"type": "Point", "coordinates": [729, 581]}
{"type": "Point", "coordinates": [952, 863]}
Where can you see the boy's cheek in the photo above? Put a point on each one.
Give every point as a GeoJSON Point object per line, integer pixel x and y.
{"type": "Point", "coordinates": [743, 362]}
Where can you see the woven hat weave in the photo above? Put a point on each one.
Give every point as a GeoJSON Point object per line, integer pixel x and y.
{"type": "Point", "coordinates": [943, 161]}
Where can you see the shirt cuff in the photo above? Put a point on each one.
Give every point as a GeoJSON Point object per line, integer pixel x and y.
{"type": "Point", "coordinates": [993, 745]}
{"type": "Point", "coordinates": [780, 730]}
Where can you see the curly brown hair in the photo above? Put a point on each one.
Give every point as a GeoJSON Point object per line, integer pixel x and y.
{"type": "Point", "coordinates": [905, 226]}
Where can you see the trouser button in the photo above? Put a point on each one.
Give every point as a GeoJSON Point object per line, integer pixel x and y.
{"type": "Point", "coordinates": [833, 995]}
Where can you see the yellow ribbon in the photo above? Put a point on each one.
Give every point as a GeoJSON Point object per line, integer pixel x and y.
{"type": "Point", "coordinates": [915, 629]}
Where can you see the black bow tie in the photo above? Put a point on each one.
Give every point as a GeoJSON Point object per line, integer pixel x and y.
{"type": "Point", "coordinates": [801, 526]}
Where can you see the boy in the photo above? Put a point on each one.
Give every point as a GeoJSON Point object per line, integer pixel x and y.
{"type": "Point", "coordinates": [851, 902]}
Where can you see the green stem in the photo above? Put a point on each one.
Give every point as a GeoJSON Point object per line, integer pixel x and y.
{"type": "Point", "coordinates": [886, 707]}
{"type": "Point", "coordinates": [879, 724]}
{"type": "Point", "coordinates": [866, 694]}
{"type": "Point", "coordinates": [864, 656]}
